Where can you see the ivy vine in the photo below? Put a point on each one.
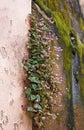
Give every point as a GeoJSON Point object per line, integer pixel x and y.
{"type": "Point", "coordinates": [39, 80]}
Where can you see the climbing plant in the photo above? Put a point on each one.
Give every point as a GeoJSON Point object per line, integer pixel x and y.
{"type": "Point", "coordinates": [39, 80]}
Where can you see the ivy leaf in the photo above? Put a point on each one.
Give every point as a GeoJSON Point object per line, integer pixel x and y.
{"type": "Point", "coordinates": [32, 97]}
{"type": "Point", "coordinates": [35, 62]}
{"type": "Point", "coordinates": [39, 72]}
{"type": "Point", "coordinates": [34, 79]}
{"type": "Point", "coordinates": [37, 106]}
{"type": "Point", "coordinates": [25, 68]}
{"type": "Point", "coordinates": [31, 109]}
{"type": "Point", "coordinates": [34, 86]}
{"type": "Point", "coordinates": [28, 91]}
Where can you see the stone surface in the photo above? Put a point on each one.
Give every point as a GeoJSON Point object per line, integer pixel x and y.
{"type": "Point", "coordinates": [78, 6]}
{"type": "Point", "coordinates": [13, 36]}
{"type": "Point", "coordinates": [82, 6]}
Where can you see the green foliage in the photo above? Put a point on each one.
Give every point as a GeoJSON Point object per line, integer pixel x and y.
{"type": "Point", "coordinates": [28, 91]}
{"type": "Point", "coordinates": [81, 24]}
{"type": "Point", "coordinates": [37, 67]}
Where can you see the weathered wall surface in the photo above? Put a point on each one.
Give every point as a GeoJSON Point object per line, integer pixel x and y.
{"type": "Point", "coordinates": [13, 36]}
{"type": "Point", "coordinates": [82, 6]}
{"type": "Point", "coordinates": [78, 6]}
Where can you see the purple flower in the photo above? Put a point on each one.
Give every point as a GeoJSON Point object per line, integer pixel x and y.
{"type": "Point", "coordinates": [52, 22]}
{"type": "Point", "coordinates": [45, 43]}
{"type": "Point", "coordinates": [41, 19]}
{"type": "Point", "coordinates": [54, 116]}
{"type": "Point", "coordinates": [56, 38]}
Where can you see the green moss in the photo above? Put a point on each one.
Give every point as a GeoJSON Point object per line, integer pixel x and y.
{"type": "Point", "coordinates": [81, 24]}
{"type": "Point", "coordinates": [69, 96]}
{"type": "Point", "coordinates": [82, 87]}
{"type": "Point", "coordinates": [80, 49]}
{"type": "Point", "coordinates": [67, 7]}
{"type": "Point", "coordinates": [64, 26]}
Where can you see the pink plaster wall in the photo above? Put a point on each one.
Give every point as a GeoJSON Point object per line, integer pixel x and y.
{"type": "Point", "coordinates": [14, 26]}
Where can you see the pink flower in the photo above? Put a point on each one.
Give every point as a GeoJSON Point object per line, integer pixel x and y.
{"type": "Point", "coordinates": [57, 55]}
{"type": "Point", "coordinates": [39, 36]}
{"type": "Point", "coordinates": [58, 49]}
{"type": "Point", "coordinates": [54, 116]}
{"type": "Point", "coordinates": [59, 93]}
{"type": "Point", "coordinates": [41, 19]}
{"type": "Point", "coordinates": [45, 43]}
{"type": "Point", "coordinates": [56, 38]}
{"type": "Point", "coordinates": [43, 65]}
{"type": "Point", "coordinates": [25, 88]}
{"type": "Point", "coordinates": [52, 22]}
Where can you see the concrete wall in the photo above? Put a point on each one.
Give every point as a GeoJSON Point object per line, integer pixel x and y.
{"type": "Point", "coordinates": [14, 26]}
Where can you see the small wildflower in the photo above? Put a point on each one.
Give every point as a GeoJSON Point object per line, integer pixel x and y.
{"type": "Point", "coordinates": [56, 38]}
{"type": "Point", "coordinates": [54, 116]}
{"type": "Point", "coordinates": [25, 88]}
{"type": "Point", "coordinates": [43, 118]}
{"type": "Point", "coordinates": [59, 93]}
{"type": "Point", "coordinates": [43, 65]}
{"type": "Point", "coordinates": [52, 22]}
{"type": "Point", "coordinates": [45, 43]}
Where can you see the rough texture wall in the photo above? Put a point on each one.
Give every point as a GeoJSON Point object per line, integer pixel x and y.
{"type": "Point", "coordinates": [13, 36]}
{"type": "Point", "coordinates": [82, 6]}
{"type": "Point", "coordinates": [75, 4]}
{"type": "Point", "coordinates": [78, 6]}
